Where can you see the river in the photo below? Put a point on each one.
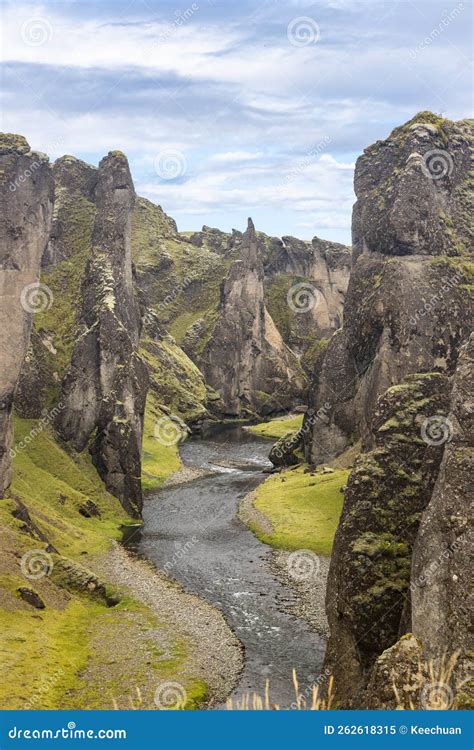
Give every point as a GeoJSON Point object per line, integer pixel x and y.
{"type": "Point", "coordinates": [193, 533]}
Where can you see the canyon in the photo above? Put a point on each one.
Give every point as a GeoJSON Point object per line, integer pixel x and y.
{"type": "Point", "coordinates": [123, 336]}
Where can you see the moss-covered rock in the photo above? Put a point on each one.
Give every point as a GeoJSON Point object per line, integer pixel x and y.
{"type": "Point", "coordinates": [388, 489]}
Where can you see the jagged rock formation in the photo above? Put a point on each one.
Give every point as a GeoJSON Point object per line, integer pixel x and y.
{"type": "Point", "coordinates": [179, 275]}
{"type": "Point", "coordinates": [368, 590]}
{"type": "Point", "coordinates": [104, 391]}
{"type": "Point", "coordinates": [408, 307]}
{"type": "Point", "coordinates": [74, 209]}
{"type": "Point", "coordinates": [305, 287]}
{"type": "Point", "coordinates": [26, 210]}
{"type": "Point", "coordinates": [443, 557]}
{"type": "Point", "coordinates": [441, 571]}
{"type": "Point", "coordinates": [245, 358]}
{"type": "Point", "coordinates": [408, 310]}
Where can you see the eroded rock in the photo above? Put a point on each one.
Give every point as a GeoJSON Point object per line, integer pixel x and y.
{"type": "Point", "coordinates": [104, 391]}
{"type": "Point", "coordinates": [26, 209]}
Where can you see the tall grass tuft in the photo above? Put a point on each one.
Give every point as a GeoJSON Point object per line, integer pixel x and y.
{"type": "Point", "coordinates": [255, 702]}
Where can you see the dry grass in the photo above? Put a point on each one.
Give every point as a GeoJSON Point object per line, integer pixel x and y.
{"type": "Point", "coordinates": [255, 702]}
{"type": "Point", "coordinates": [435, 684]}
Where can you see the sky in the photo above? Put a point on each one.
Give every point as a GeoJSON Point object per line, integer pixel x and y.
{"type": "Point", "coordinates": [238, 108]}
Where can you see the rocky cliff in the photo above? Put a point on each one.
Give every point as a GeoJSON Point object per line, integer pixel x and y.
{"type": "Point", "coordinates": [26, 210]}
{"type": "Point", "coordinates": [305, 287]}
{"type": "Point", "coordinates": [407, 308]}
{"type": "Point", "coordinates": [104, 391]}
{"type": "Point", "coordinates": [394, 376]}
{"type": "Point", "coordinates": [180, 274]}
{"type": "Point", "coordinates": [245, 359]}
{"type": "Point", "coordinates": [443, 556]}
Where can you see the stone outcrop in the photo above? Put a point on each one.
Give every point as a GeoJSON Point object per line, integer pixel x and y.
{"type": "Point", "coordinates": [408, 305]}
{"type": "Point", "coordinates": [387, 377]}
{"type": "Point", "coordinates": [245, 358]}
{"type": "Point", "coordinates": [26, 208]}
{"type": "Point", "coordinates": [368, 590]}
{"type": "Point", "coordinates": [104, 391]}
{"type": "Point", "coordinates": [74, 209]}
{"type": "Point", "coordinates": [305, 287]}
{"type": "Point", "coordinates": [443, 557]}
{"type": "Point", "coordinates": [433, 666]}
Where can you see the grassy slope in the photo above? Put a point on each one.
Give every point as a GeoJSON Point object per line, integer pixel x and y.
{"type": "Point", "coordinates": [303, 509]}
{"type": "Point", "coordinates": [277, 428]}
{"type": "Point", "coordinates": [158, 460]}
{"type": "Point", "coordinates": [45, 651]}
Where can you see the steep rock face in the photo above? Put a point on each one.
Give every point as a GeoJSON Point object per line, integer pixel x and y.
{"type": "Point", "coordinates": [104, 391]}
{"type": "Point", "coordinates": [246, 359]}
{"type": "Point", "coordinates": [305, 287]}
{"type": "Point", "coordinates": [27, 199]}
{"type": "Point", "coordinates": [443, 556]}
{"type": "Point", "coordinates": [73, 214]}
{"type": "Point", "coordinates": [408, 305]}
{"type": "Point", "coordinates": [367, 601]}
{"type": "Point", "coordinates": [180, 274]}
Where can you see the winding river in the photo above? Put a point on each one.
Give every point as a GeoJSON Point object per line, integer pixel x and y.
{"type": "Point", "coordinates": [193, 533]}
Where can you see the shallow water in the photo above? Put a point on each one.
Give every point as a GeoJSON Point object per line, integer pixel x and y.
{"type": "Point", "coordinates": [193, 533]}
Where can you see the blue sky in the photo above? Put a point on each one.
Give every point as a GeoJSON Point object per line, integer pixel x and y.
{"type": "Point", "coordinates": [230, 109]}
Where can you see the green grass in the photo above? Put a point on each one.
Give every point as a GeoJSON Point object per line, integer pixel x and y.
{"type": "Point", "coordinates": [158, 460]}
{"type": "Point", "coordinates": [303, 509]}
{"type": "Point", "coordinates": [42, 654]}
{"type": "Point", "coordinates": [54, 484]}
{"type": "Point", "coordinates": [277, 428]}
{"type": "Point", "coordinates": [76, 652]}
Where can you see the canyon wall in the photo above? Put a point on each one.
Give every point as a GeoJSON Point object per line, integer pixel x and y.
{"type": "Point", "coordinates": [395, 375]}
{"type": "Point", "coordinates": [407, 308]}
{"type": "Point", "coordinates": [105, 389]}
{"type": "Point", "coordinates": [26, 209]}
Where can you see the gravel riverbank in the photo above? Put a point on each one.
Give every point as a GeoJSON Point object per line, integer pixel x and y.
{"type": "Point", "coordinates": [212, 652]}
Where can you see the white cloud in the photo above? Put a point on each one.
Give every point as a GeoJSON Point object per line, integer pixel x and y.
{"type": "Point", "coordinates": [231, 156]}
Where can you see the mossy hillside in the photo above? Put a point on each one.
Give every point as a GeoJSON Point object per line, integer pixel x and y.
{"type": "Point", "coordinates": [177, 392]}
{"type": "Point", "coordinates": [67, 658]}
{"type": "Point", "coordinates": [55, 484]}
{"type": "Point", "coordinates": [150, 225]}
{"type": "Point", "coordinates": [180, 280]}
{"type": "Point", "coordinates": [174, 378]}
{"type": "Point", "coordinates": [277, 428]}
{"type": "Point", "coordinates": [65, 655]}
{"type": "Point", "coordinates": [303, 509]}
{"type": "Point", "coordinates": [160, 454]}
